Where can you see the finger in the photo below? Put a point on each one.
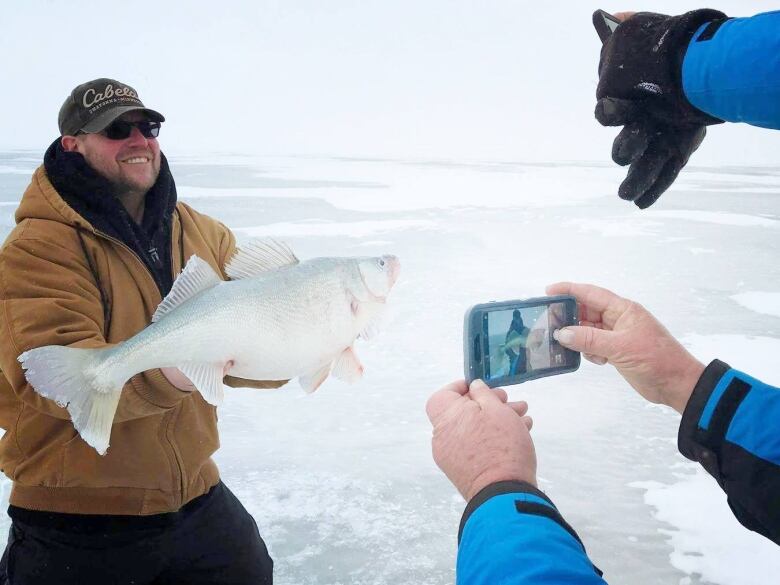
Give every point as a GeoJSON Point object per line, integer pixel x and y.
{"type": "Point", "coordinates": [696, 139]}
{"type": "Point", "coordinates": [623, 16]}
{"type": "Point", "coordinates": [520, 407]}
{"type": "Point", "coordinates": [528, 422]}
{"type": "Point", "coordinates": [643, 173]}
{"type": "Point", "coordinates": [593, 301]}
{"type": "Point", "coordinates": [684, 144]}
{"type": "Point", "coordinates": [594, 342]}
{"type": "Point", "coordinates": [443, 398]}
{"type": "Point", "coordinates": [483, 394]}
{"type": "Point", "coordinates": [594, 359]}
{"type": "Point", "coordinates": [662, 183]}
{"type": "Point", "coordinates": [501, 393]}
{"type": "Point", "coordinates": [615, 111]}
{"type": "Point", "coordinates": [630, 144]}
{"type": "Point", "coordinates": [226, 368]}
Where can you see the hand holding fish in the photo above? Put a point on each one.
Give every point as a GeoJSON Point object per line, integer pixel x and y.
{"type": "Point", "coordinates": [182, 382]}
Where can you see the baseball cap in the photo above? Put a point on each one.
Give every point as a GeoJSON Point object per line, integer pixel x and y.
{"type": "Point", "coordinates": [95, 104]}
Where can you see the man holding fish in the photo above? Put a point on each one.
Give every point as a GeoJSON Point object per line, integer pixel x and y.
{"type": "Point", "coordinates": [111, 367]}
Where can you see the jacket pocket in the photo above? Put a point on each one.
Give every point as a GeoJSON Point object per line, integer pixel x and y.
{"type": "Point", "coordinates": [136, 458]}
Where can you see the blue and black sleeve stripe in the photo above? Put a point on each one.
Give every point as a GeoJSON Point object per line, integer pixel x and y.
{"type": "Point", "coordinates": [731, 69]}
{"type": "Point", "coordinates": [731, 426]}
{"type": "Point", "coordinates": [512, 533]}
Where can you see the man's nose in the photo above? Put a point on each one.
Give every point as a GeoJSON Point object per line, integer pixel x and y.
{"type": "Point", "coordinates": [136, 138]}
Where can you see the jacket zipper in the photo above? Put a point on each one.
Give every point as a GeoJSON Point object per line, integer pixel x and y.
{"type": "Point", "coordinates": [168, 416]}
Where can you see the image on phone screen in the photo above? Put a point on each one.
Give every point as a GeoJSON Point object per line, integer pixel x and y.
{"type": "Point", "coordinates": [520, 341]}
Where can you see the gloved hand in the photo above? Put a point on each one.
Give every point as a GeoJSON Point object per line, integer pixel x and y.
{"type": "Point", "coordinates": [640, 88]}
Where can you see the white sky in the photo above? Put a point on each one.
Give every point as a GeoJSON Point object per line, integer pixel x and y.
{"type": "Point", "coordinates": [502, 79]}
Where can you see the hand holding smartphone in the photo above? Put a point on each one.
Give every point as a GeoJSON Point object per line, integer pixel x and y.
{"type": "Point", "coordinates": [511, 342]}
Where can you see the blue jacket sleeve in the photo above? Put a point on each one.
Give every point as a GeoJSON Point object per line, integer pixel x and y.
{"type": "Point", "coordinates": [731, 69]}
{"type": "Point", "coordinates": [512, 533]}
{"type": "Point", "coordinates": [731, 426]}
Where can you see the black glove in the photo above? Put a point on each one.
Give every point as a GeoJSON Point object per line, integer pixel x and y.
{"type": "Point", "coordinates": [640, 88]}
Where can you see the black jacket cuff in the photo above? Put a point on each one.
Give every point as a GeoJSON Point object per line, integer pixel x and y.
{"type": "Point", "coordinates": [703, 443]}
{"type": "Point", "coordinates": [515, 487]}
{"type": "Point", "coordinates": [522, 507]}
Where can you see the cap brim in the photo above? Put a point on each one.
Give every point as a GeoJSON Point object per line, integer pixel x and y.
{"type": "Point", "coordinates": [106, 118]}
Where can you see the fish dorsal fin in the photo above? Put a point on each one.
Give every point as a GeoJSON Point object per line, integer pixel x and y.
{"type": "Point", "coordinates": [258, 256]}
{"type": "Point", "coordinates": [197, 276]}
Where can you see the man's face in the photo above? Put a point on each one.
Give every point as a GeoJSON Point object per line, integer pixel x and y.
{"type": "Point", "coordinates": [130, 164]}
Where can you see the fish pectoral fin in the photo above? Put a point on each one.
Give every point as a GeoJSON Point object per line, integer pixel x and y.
{"type": "Point", "coordinates": [310, 382]}
{"type": "Point", "coordinates": [347, 366]}
{"type": "Point", "coordinates": [197, 276]}
{"type": "Point", "coordinates": [256, 257]}
{"type": "Point", "coordinates": [207, 378]}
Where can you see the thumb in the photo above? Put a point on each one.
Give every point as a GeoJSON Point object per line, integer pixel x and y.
{"type": "Point", "coordinates": [442, 399]}
{"type": "Point", "coordinates": [615, 111]}
{"type": "Point", "coordinates": [589, 340]}
{"type": "Point", "coordinates": [483, 394]}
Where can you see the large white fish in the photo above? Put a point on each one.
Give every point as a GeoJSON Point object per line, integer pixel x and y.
{"type": "Point", "coordinates": [277, 319]}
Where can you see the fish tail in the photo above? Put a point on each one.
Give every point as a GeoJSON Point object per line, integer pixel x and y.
{"type": "Point", "coordinates": [73, 379]}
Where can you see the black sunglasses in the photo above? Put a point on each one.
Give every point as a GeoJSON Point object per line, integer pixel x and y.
{"type": "Point", "coordinates": [120, 130]}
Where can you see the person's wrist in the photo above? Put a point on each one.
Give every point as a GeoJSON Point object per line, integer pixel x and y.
{"type": "Point", "coordinates": [496, 475]}
{"type": "Point", "coordinates": [680, 387]}
{"type": "Point", "coordinates": [685, 28]}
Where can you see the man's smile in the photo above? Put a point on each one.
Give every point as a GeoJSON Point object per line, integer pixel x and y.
{"type": "Point", "coordinates": [136, 160]}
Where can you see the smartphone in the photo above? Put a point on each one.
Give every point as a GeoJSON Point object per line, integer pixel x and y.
{"type": "Point", "coordinates": [511, 342]}
{"type": "Point", "coordinates": [605, 24]}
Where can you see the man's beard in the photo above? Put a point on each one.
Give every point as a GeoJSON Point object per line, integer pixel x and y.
{"type": "Point", "coordinates": [123, 186]}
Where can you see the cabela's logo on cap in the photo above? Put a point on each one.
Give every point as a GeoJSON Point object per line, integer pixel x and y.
{"type": "Point", "coordinates": [93, 105]}
{"type": "Point", "coordinates": [94, 100]}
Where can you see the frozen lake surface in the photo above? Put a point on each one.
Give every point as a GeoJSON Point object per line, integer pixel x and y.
{"type": "Point", "coordinates": [342, 483]}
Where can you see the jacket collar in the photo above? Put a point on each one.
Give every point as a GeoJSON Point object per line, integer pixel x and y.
{"type": "Point", "coordinates": [92, 196]}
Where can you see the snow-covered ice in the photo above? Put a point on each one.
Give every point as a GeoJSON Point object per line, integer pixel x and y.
{"type": "Point", "coordinates": [342, 483]}
{"type": "Point", "coordinates": [767, 303]}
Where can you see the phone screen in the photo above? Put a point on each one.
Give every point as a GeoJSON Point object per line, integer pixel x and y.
{"type": "Point", "coordinates": [611, 24]}
{"type": "Point", "coordinates": [519, 341]}
{"type": "Point", "coordinates": [605, 24]}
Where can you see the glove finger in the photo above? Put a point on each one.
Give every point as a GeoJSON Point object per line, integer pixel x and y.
{"type": "Point", "coordinates": [698, 138]}
{"type": "Point", "coordinates": [662, 183]}
{"type": "Point", "coordinates": [643, 174]}
{"type": "Point", "coordinates": [615, 111]}
{"type": "Point", "coordinates": [690, 143]}
{"type": "Point", "coordinates": [630, 144]}
{"type": "Point", "coordinates": [684, 144]}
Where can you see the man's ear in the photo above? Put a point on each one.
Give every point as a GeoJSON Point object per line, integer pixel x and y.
{"type": "Point", "coordinates": [69, 143]}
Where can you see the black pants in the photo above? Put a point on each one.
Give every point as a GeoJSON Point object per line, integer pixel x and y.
{"type": "Point", "coordinates": [212, 540]}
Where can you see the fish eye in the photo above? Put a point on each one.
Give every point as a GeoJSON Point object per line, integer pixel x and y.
{"type": "Point", "coordinates": [381, 263]}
